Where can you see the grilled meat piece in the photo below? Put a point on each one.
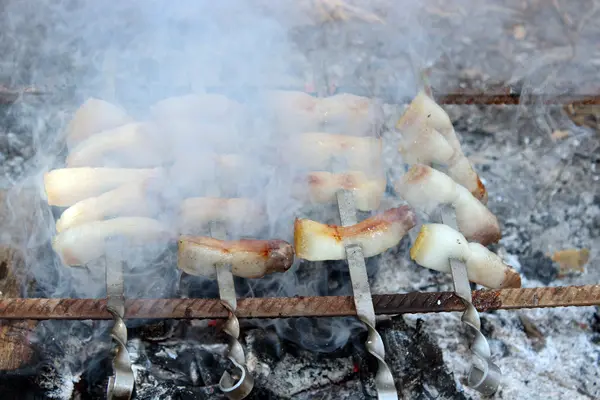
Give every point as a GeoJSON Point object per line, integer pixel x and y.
{"type": "Point", "coordinates": [314, 241]}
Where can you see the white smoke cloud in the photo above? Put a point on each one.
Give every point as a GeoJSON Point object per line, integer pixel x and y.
{"type": "Point", "coordinates": [137, 53]}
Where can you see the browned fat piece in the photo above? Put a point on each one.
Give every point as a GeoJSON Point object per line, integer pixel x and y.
{"type": "Point", "coordinates": [92, 117]}
{"type": "Point", "coordinates": [438, 243]}
{"type": "Point", "coordinates": [429, 137]}
{"type": "Point", "coordinates": [315, 241]}
{"type": "Point", "coordinates": [425, 189]}
{"type": "Point", "coordinates": [200, 255]}
{"type": "Point", "coordinates": [322, 188]}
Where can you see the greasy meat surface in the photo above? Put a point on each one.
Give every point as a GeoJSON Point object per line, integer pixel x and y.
{"type": "Point", "coordinates": [438, 243]}
{"type": "Point", "coordinates": [426, 188]}
{"type": "Point", "coordinates": [200, 255]}
{"type": "Point", "coordinates": [427, 136]}
{"type": "Point", "coordinates": [315, 241]}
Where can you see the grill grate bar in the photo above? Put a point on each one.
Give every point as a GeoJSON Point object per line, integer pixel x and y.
{"type": "Point", "coordinates": [506, 95]}
{"type": "Point", "coordinates": [292, 307]}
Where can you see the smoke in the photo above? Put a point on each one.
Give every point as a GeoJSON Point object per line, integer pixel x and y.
{"type": "Point", "coordinates": [136, 54]}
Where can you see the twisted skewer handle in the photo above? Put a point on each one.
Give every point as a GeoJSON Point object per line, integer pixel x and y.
{"type": "Point", "coordinates": [121, 384]}
{"type": "Point", "coordinates": [239, 385]}
{"type": "Point", "coordinates": [384, 380]}
{"type": "Point", "coordinates": [484, 379]}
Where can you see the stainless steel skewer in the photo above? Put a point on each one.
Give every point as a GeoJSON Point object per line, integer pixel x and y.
{"type": "Point", "coordinates": [121, 384]}
{"type": "Point", "coordinates": [485, 378]}
{"type": "Point", "coordinates": [384, 380]}
{"type": "Point", "coordinates": [239, 385]}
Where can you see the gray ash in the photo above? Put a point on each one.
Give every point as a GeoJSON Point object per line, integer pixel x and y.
{"type": "Point", "coordinates": [175, 368]}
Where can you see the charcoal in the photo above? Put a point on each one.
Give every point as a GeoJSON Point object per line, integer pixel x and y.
{"type": "Point", "coordinates": [324, 335]}
{"type": "Point", "coordinates": [540, 267]}
{"type": "Point", "coordinates": [271, 347]}
{"type": "Point", "coordinates": [515, 237]}
{"type": "Point", "coordinates": [20, 385]}
{"type": "Point", "coordinates": [594, 226]}
{"type": "Point", "coordinates": [195, 393]}
{"type": "Point", "coordinates": [153, 330]}
{"type": "Point", "coordinates": [417, 362]}
{"type": "Point", "coordinates": [172, 370]}
{"type": "Point", "coordinates": [295, 373]}
{"type": "Point", "coordinates": [350, 390]}
{"type": "Point", "coordinates": [544, 219]}
{"type": "Point", "coordinates": [210, 367]}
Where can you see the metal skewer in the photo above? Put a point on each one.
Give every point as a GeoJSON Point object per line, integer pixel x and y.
{"type": "Point", "coordinates": [384, 380]}
{"type": "Point", "coordinates": [484, 379]}
{"type": "Point", "coordinates": [121, 384]}
{"type": "Point", "coordinates": [239, 385]}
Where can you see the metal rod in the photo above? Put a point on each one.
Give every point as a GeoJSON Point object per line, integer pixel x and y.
{"type": "Point", "coordinates": [484, 376]}
{"type": "Point", "coordinates": [238, 385]}
{"type": "Point", "coordinates": [122, 382]}
{"type": "Point", "coordinates": [503, 95]}
{"type": "Point", "coordinates": [499, 95]}
{"type": "Point", "coordinates": [363, 301]}
{"type": "Point", "coordinates": [9, 96]}
{"type": "Point", "coordinates": [514, 98]}
{"type": "Point", "coordinates": [291, 307]}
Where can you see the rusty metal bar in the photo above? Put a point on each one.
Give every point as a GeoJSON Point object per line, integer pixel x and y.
{"type": "Point", "coordinates": [285, 307]}
{"type": "Point", "coordinates": [507, 97]}
{"type": "Point", "coordinates": [498, 95]}
{"type": "Point", "coordinates": [504, 95]}
{"type": "Point", "coordinates": [9, 96]}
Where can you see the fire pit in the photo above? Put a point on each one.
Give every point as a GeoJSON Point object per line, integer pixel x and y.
{"type": "Point", "coordinates": [286, 201]}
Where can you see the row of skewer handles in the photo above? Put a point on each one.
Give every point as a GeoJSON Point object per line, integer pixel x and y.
{"type": "Point", "coordinates": [117, 174]}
